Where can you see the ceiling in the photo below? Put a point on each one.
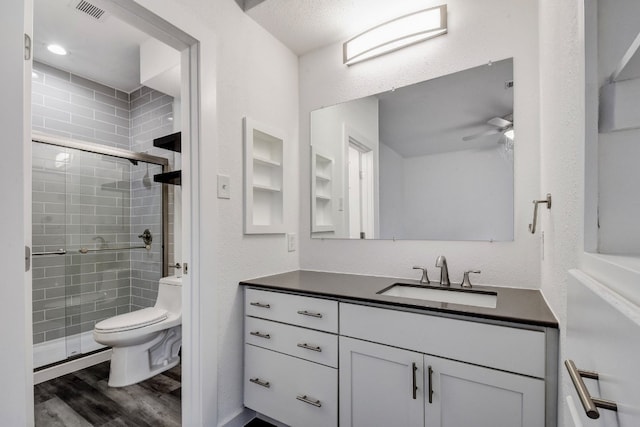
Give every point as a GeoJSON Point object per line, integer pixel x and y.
{"type": "Point", "coordinates": [106, 51]}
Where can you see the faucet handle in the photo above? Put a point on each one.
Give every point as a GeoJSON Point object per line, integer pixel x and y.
{"type": "Point", "coordinates": [466, 283]}
{"type": "Point", "coordinates": [425, 276]}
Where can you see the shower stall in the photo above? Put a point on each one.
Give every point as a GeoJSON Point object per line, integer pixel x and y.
{"type": "Point", "coordinates": [99, 230]}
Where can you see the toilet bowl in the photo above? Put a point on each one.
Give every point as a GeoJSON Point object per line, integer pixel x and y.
{"type": "Point", "coordinates": [144, 342]}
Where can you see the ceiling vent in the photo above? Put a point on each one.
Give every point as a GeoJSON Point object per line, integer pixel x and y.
{"type": "Point", "coordinates": [89, 9]}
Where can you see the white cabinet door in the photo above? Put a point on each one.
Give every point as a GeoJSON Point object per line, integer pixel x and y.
{"type": "Point", "coordinates": [468, 395]}
{"type": "Point", "coordinates": [380, 385]}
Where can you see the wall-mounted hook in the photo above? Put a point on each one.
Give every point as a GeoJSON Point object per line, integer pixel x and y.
{"type": "Point", "coordinates": [532, 227]}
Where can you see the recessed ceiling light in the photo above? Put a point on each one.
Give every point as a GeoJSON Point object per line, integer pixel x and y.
{"type": "Point", "coordinates": [57, 49]}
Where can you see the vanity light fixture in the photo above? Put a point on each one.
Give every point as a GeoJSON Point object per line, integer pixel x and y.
{"type": "Point", "coordinates": [396, 34]}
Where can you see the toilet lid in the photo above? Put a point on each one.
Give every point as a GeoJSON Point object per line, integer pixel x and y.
{"type": "Point", "coordinates": [135, 319]}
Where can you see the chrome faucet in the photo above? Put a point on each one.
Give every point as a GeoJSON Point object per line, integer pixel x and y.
{"type": "Point", "coordinates": [444, 271]}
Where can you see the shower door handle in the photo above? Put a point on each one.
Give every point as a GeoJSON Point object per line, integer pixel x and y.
{"type": "Point", "coordinates": [27, 258]}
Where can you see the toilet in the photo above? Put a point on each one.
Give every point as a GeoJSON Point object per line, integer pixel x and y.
{"type": "Point", "coordinates": [144, 342]}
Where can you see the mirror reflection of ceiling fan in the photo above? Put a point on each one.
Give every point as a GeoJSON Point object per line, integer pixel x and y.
{"type": "Point", "coordinates": [501, 125]}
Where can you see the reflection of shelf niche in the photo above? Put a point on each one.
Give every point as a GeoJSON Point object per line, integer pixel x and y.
{"type": "Point", "coordinates": [322, 193]}
{"type": "Point", "coordinates": [264, 179]}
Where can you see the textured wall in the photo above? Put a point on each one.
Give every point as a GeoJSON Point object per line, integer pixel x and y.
{"type": "Point", "coordinates": [562, 121]}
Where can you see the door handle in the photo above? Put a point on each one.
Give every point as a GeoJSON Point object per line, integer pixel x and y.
{"type": "Point", "coordinates": [590, 404]}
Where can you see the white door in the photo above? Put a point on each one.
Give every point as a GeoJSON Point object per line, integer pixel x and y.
{"type": "Point", "coordinates": [602, 337]}
{"type": "Point", "coordinates": [380, 385]}
{"type": "Point", "coordinates": [460, 395]}
{"type": "Point", "coordinates": [360, 196]}
{"type": "Point", "coordinates": [16, 398]}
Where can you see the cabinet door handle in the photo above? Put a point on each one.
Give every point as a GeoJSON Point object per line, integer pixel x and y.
{"type": "Point", "coordinates": [306, 399]}
{"type": "Point", "coordinates": [310, 347]}
{"type": "Point", "coordinates": [590, 404]}
{"type": "Point", "coordinates": [414, 386]}
{"type": "Point", "coordinates": [261, 335]}
{"type": "Point", "coordinates": [259, 304]}
{"type": "Point", "coordinates": [310, 313]}
{"type": "Point", "coordinates": [258, 381]}
{"type": "Point", "coordinates": [430, 370]}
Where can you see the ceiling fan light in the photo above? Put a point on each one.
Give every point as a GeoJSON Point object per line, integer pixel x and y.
{"type": "Point", "coordinates": [396, 34]}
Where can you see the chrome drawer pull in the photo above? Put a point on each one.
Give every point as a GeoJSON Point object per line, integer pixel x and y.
{"type": "Point", "coordinates": [306, 399]}
{"type": "Point", "coordinates": [309, 347]}
{"type": "Point", "coordinates": [590, 404]}
{"type": "Point", "coordinates": [310, 313]}
{"type": "Point", "coordinates": [260, 382]}
{"type": "Point", "coordinates": [261, 335]}
{"type": "Point", "coordinates": [259, 304]}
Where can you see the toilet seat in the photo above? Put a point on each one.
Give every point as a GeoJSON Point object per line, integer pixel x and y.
{"type": "Point", "coordinates": [133, 320]}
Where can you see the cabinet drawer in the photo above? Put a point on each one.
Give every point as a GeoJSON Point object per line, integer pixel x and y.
{"type": "Point", "coordinates": [290, 390]}
{"type": "Point", "coordinates": [509, 349]}
{"type": "Point", "coordinates": [310, 312]}
{"type": "Point", "coordinates": [316, 346]}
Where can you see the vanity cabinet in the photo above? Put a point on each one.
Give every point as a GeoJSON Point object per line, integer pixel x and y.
{"type": "Point", "coordinates": [317, 361]}
{"type": "Point", "coordinates": [291, 358]}
{"type": "Point", "coordinates": [416, 385]}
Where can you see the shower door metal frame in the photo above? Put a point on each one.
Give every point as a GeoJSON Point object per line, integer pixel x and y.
{"type": "Point", "coordinates": [122, 154]}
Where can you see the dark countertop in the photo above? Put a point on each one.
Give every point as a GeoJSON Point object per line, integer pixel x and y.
{"type": "Point", "coordinates": [525, 306]}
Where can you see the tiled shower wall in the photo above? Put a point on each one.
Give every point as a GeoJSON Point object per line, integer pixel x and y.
{"type": "Point", "coordinates": [93, 202]}
{"type": "Point", "coordinates": [151, 117]}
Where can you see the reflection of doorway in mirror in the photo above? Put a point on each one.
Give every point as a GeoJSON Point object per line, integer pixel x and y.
{"type": "Point", "coordinates": [360, 195]}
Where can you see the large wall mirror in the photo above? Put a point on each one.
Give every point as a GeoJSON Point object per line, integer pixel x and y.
{"type": "Point", "coordinates": [429, 161]}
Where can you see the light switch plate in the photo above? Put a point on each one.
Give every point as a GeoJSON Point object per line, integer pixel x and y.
{"type": "Point", "coordinates": [292, 242]}
{"type": "Point", "coordinates": [224, 187]}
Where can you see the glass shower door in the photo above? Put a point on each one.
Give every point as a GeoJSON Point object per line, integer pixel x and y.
{"type": "Point", "coordinates": [90, 263]}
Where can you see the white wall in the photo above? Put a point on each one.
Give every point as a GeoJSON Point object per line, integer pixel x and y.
{"type": "Point", "coordinates": [244, 72]}
{"type": "Point", "coordinates": [475, 185]}
{"type": "Point", "coordinates": [478, 32]}
{"type": "Point", "coordinates": [328, 136]}
{"type": "Point", "coordinates": [16, 396]}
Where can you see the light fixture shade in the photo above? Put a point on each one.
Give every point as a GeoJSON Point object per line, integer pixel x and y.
{"type": "Point", "coordinates": [396, 34]}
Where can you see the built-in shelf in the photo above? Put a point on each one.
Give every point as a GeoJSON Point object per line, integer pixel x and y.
{"type": "Point", "coordinates": [267, 162]}
{"type": "Point", "coordinates": [174, 178]}
{"type": "Point", "coordinates": [264, 179]}
{"type": "Point", "coordinates": [322, 193]}
{"type": "Point", "coordinates": [171, 142]}
{"type": "Point", "coordinates": [266, 188]}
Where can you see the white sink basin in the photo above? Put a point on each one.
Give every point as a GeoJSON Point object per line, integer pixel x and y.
{"type": "Point", "coordinates": [456, 296]}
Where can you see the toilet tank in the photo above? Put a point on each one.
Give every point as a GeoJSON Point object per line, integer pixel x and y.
{"type": "Point", "coordinates": [170, 294]}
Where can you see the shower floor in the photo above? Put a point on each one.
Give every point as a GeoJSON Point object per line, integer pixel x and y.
{"type": "Point", "coordinates": [83, 398]}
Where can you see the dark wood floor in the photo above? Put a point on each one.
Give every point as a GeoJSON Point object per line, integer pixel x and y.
{"type": "Point", "coordinates": [84, 399]}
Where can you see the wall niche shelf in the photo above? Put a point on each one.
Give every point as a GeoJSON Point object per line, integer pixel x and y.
{"type": "Point", "coordinates": [264, 168]}
{"type": "Point", "coordinates": [172, 142]}
{"type": "Point", "coordinates": [322, 193]}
